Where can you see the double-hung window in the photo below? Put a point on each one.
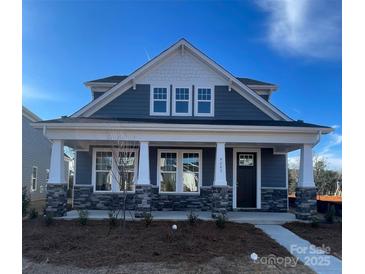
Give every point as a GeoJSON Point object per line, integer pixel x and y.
{"type": "Point", "coordinates": [181, 105]}
{"type": "Point", "coordinates": [34, 178]}
{"type": "Point", "coordinates": [204, 102]}
{"type": "Point", "coordinates": [103, 170]}
{"type": "Point", "coordinates": [114, 169]}
{"type": "Point", "coordinates": [179, 171]}
{"type": "Point", "coordinates": [160, 101]}
{"type": "Point", "coordinates": [126, 169]}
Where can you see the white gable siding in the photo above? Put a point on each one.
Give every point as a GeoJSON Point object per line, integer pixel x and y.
{"type": "Point", "coordinates": [181, 69]}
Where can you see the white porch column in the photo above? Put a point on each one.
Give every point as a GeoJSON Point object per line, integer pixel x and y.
{"type": "Point", "coordinates": [220, 165]}
{"type": "Point", "coordinates": [306, 167]}
{"type": "Point", "coordinates": [57, 169]}
{"type": "Point", "coordinates": [144, 164]}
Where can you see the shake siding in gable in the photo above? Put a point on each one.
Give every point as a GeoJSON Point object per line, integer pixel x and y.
{"type": "Point", "coordinates": [229, 105]}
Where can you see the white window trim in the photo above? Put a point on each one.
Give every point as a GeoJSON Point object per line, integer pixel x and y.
{"type": "Point", "coordinates": [179, 174]}
{"type": "Point", "coordinates": [114, 183]}
{"type": "Point", "coordinates": [36, 179]}
{"type": "Point", "coordinates": [196, 113]}
{"type": "Point", "coordinates": [152, 112]}
{"type": "Point", "coordinates": [190, 102]}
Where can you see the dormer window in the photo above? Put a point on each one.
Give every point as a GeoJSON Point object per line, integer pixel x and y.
{"type": "Point", "coordinates": [204, 102]}
{"type": "Point", "coordinates": [160, 101]}
{"type": "Point", "coordinates": [182, 102]}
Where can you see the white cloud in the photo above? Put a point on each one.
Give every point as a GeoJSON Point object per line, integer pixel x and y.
{"type": "Point", "coordinates": [335, 139]}
{"type": "Point", "coordinates": [30, 93]}
{"type": "Point", "coordinates": [304, 27]}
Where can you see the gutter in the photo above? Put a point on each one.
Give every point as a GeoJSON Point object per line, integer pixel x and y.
{"type": "Point", "coordinates": [185, 127]}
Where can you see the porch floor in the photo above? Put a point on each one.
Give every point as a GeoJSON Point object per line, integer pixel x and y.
{"type": "Point", "coordinates": [255, 218]}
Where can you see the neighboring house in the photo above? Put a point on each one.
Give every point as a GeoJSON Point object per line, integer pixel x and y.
{"type": "Point", "coordinates": [36, 157]}
{"type": "Point", "coordinates": [36, 151]}
{"type": "Point", "coordinates": [206, 140]}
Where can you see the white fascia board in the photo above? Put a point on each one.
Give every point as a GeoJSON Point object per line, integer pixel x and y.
{"type": "Point", "coordinates": [258, 101]}
{"type": "Point", "coordinates": [263, 87]}
{"type": "Point", "coordinates": [182, 136]}
{"type": "Point", "coordinates": [181, 127]}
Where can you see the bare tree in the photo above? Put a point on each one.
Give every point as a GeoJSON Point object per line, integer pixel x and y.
{"type": "Point", "coordinates": [124, 155]}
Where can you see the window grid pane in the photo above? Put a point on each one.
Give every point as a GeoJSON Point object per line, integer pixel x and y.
{"type": "Point", "coordinates": [182, 94]}
{"type": "Point", "coordinates": [160, 93]}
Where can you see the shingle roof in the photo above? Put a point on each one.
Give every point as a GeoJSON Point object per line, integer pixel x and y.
{"type": "Point", "coordinates": [186, 121]}
{"type": "Point", "coordinates": [110, 79]}
{"type": "Point", "coordinates": [248, 81]}
{"type": "Point", "coordinates": [119, 78]}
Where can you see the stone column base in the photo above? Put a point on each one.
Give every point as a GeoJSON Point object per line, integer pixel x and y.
{"type": "Point", "coordinates": [56, 199]}
{"type": "Point", "coordinates": [142, 199]}
{"type": "Point", "coordinates": [306, 203]}
{"type": "Point", "coordinates": [220, 200]}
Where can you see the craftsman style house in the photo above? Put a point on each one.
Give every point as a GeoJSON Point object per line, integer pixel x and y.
{"type": "Point", "coordinates": [202, 139]}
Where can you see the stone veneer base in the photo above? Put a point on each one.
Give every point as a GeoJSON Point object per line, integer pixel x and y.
{"type": "Point", "coordinates": [56, 199]}
{"type": "Point", "coordinates": [274, 199]}
{"type": "Point", "coordinates": [142, 200]}
{"type": "Point", "coordinates": [210, 198]}
{"type": "Point", "coordinates": [306, 203]}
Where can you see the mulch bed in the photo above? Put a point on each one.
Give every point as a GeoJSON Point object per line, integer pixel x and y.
{"type": "Point", "coordinates": [69, 243]}
{"type": "Point", "coordinates": [329, 235]}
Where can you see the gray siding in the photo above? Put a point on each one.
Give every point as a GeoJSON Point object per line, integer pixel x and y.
{"type": "Point", "coordinates": [229, 105]}
{"type": "Point", "coordinates": [83, 167]}
{"type": "Point", "coordinates": [273, 169]}
{"type": "Point", "coordinates": [36, 151]}
{"type": "Point", "coordinates": [97, 94]}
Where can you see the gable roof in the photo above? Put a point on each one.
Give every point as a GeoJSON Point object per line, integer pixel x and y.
{"type": "Point", "coordinates": [128, 82]}
{"type": "Point", "coordinates": [111, 79]}
{"type": "Point", "coordinates": [115, 79]}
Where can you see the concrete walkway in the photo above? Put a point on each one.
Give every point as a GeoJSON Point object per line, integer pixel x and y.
{"type": "Point", "coordinates": [313, 257]}
{"type": "Point", "coordinates": [238, 217]}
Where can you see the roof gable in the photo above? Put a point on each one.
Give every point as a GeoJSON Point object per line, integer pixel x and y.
{"type": "Point", "coordinates": [181, 47]}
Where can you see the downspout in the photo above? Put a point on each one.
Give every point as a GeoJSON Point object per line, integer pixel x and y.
{"type": "Point", "coordinates": [44, 130]}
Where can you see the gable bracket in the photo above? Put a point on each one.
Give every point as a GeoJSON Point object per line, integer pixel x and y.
{"type": "Point", "coordinates": [182, 49]}
{"type": "Point", "coordinates": [230, 85]}
{"type": "Point", "coordinates": [134, 84]}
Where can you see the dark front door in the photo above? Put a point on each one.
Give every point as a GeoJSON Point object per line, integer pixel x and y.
{"type": "Point", "coordinates": [246, 179]}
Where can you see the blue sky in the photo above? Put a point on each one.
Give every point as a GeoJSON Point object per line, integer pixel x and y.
{"type": "Point", "coordinates": [294, 44]}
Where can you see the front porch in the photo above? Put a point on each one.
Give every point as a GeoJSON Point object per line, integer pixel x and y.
{"type": "Point", "coordinates": [255, 218]}
{"type": "Point", "coordinates": [178, 168]}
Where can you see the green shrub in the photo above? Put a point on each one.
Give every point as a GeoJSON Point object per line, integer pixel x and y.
{"type": "Point", "coordinates": [315, 222]}
{"type": "Point", "coordinates": [48, 218]}
{"type": "Point", "coordinates": [83, 216]}
{"type": "Point", "coordinates": [330, 214]}
{"type": "Point", "coordinates": [33, 213]}
{"type": "Point", "coordinates": [147, 217]}
{"type": "Point", "coordinates": [221, 220]}
{"type": "Point", "coordinates": [25, 201]}
{"type": "Point", "coordinates": [192, 218]}
{"type": "Point", "coordinates": [113, 221]}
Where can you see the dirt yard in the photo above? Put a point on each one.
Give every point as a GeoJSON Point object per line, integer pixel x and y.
{"type": "Point", "coordinates": [329, 235]}
{"type": "Point", "coordinates": [195, 249]}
